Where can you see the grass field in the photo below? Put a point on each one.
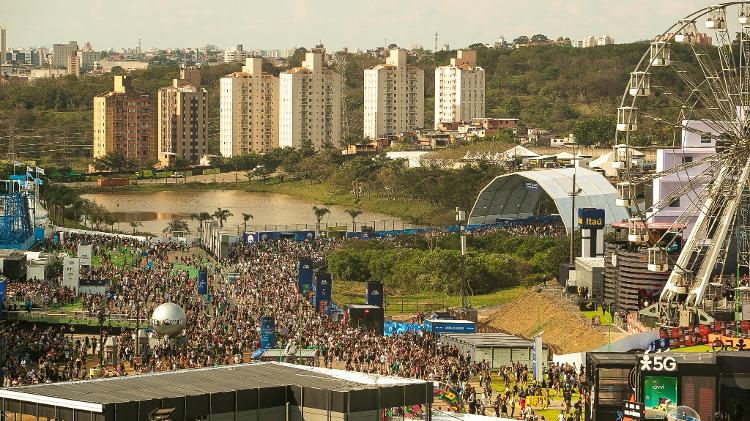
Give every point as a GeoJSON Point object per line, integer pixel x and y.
{"type": "Point", "coordinates": [604, 319]}
{"type": "Point", "coordinates": [396, 303]}
{"type": "Point", "coordinates": [697, 348]}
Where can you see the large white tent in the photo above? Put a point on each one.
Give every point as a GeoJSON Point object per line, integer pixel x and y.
{"type": "Point", "coordinates": [519, 195]}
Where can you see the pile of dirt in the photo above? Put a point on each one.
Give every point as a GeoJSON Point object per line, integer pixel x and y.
{"type": "Point", "coordinates": [565, 329]}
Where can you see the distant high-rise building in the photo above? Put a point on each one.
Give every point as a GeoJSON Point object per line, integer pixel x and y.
{"type": "Point", "coordinates": [2, 44]}
{"type": "Point", "coordinates": [238, 55]}
{"type": "Point", "coordinates": [87, 58]}
{"type": "Point", "coordinates": [182, 120]}
{"type": "Point", "coordinates": [310, 104]}
{"type": "Point", "coordinates": [73, 65]}
{"type": "Point", "coordinates": [61, 52]}
{"type": "Point", "coordinates": [124, 123]}
{"type": "Point", "coordinates": [394, 97]}
{"type": "Point", "coordinates": [249, 110]}
{"type": "Point", "coordinates": [459, 89]}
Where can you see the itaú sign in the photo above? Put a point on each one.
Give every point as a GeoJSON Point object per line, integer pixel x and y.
{"type": "Point", "coordinates": [658, 363]}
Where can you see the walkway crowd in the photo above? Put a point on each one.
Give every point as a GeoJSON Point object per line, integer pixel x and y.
{"type": "Point", "coordinates": [223, 327]}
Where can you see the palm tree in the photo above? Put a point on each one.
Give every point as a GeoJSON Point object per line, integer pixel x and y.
{"type": "Point", "coordinates": [319, 214]}
{"type": "Point", "coordinates": [135, 225]}
{"type": "Point", "coordinates": [200, 217]}
{"type": "Point", "coordinates": [354, 213]}
{"type": "Point", "coordinates": [222, 215]}
{"type": "Point", "coordinates": [246, 217]}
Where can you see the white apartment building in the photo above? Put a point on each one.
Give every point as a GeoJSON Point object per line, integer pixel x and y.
{"type": "Point", "coordinates": [592, 41]}
{"type": "Point", "coordinates": [459, 89]}
{"type": "Point", "coordinates": [310, 104]}
{"type": "Point", "coordinates": [694, 146]}
{"type": "Point", "coordinates": [249, 110]}
{"type": "Point", "coordinates": [238, 55]}
{"type": "Point", "coordinates": [394, 97]}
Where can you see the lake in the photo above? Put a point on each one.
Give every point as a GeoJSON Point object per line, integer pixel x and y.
{"type": "Point", "coordinates": [270, 211]}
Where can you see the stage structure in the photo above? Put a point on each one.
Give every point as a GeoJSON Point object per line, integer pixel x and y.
{"type": "Point", "coordinates": [18, 199]}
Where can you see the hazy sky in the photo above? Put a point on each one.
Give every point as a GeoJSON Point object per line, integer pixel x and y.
{"type": "Point", "coordinates": [337, 23]}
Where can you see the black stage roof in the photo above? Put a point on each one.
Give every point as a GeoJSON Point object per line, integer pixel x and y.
{"type": "Point", "coordinates": [235, 387]}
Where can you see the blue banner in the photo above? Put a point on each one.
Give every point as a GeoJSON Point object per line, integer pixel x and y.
{"type": "Point", "coordinates": [3, 287]}
{"type": "Point", "coordinates": [322, 296]}
{"type": "Point", "coordinates": [396, 328]}
{"type": "Point", "coordinates": [267, 334]}
{"type": "Point", "coordinates": [450, 326]}
{"type": "Point", "coordinates": [203, 282]}
{"type": "Point", "coordinates": [304, 275]}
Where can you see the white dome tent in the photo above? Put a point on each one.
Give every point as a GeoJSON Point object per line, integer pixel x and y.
{"type": "Point", "coordinates": [518, 196]}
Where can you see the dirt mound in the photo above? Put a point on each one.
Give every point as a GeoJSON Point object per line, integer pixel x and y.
{"type": "Point", "coordinates": [565, 329]}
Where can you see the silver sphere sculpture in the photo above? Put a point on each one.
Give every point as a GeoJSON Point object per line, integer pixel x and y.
{"type": "Point", "coordinates": [168, 319]}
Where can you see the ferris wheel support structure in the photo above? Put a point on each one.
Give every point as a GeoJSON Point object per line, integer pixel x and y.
{"type": "Point", "coordinates": [701, 93]}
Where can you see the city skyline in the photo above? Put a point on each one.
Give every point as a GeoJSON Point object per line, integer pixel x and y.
{"type": "Point", "coordinates": [291, 23]}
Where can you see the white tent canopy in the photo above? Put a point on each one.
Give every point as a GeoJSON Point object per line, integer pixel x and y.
{"type": "Point", "coordinates": [519, 152]}
{"type": "Point", "coordinates": [519, 195]}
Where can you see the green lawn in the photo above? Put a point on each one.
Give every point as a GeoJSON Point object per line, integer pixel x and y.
{"type": "Point", "coordinates": [697, 348]}
{"type": "Point", "coordinates": [345, 292]}
{"type": "Point", "coordinates": [604, 319]}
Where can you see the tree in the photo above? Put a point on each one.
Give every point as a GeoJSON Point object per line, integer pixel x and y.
{"type": "Point", "coordinates": [320, 212]}
{"type": "Point", "coordinates": [594, 131]}
{"type": "Point", "coordinates": [222, 215]}
{"type": "Point", "coordinates": [115, 162]}
{"type": "Point", "coordinates": [354, 213]}
{"type": "Point", "coordinates": [177, 226]}
{"type": "Point", "coordinates": [200, 217]}
{"type": "Point", "coordinates": [539, 38]}
{"type": "Point", "coordinates": [246, 217]}
{"type": "Point", "coordinates": [135, 225]}
{"type": "Point", "coordinates": [523, 39]}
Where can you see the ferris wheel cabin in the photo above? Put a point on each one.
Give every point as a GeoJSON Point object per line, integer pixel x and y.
{"type": "Point", "coordinates": [717, 19]}
{"type": "Point", "coordinates": [687, 33]}
{"type": "Point", "coordinates": [640, 84]}
{"type": "Point", "coordinates": [744, 14]}
{"type": "Point", "coordinates": [660, 54]}
{"type": "Point", "coordinates": [627, 119]}
{"type": "Point", "coordinates": [658, 260]}
{"type": "Point", "coordinates": [626, 196]}
{"type": "Point", "coordinates": [637, 231]}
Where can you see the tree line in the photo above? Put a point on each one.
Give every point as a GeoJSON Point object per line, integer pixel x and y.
{"type": "Point", "coordinates": [422, 263]}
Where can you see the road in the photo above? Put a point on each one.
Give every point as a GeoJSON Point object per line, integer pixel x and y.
{"type": "Point", "coordinates": [228, 177]}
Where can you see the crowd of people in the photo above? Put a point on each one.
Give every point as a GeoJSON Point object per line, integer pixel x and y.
{"type": "Point", "coordinates": [223, 326]}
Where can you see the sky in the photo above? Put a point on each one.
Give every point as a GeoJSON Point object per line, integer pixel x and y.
{"type": "Point", "coordinates": [280, 24]}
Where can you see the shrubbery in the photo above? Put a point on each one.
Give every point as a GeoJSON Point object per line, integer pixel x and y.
{"type": "Point", "coordinates": [494, 261]}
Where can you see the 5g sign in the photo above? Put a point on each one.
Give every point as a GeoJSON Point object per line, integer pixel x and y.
{"type": "Point", "coordinates": [658, 363]}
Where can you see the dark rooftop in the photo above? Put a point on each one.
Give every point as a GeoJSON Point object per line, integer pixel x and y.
{"type": "Point", "coordinates": [201, 381]}
{"type": "Point", "coordinates": [497, 340]}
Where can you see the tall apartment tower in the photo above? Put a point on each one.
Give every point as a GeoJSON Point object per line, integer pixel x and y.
{"type": "Point", "coordinates": [394, 97]}
{"type": "Point", "coordinates": [3, 45]}
{"type": "Point", "coordinates": [310, 104]}
{"type": "Point", "coordinates": [61, 53]}
{"type": "Point", "coordinates": [73, 65]}
{"type": "Point", "coordinates": [182, 120]}
{"type": "Point", "coordinates": [249, 110]}
{"type": "Point", "coordinates": [459, 89]}
{"type": "Point", "coordinates": [124, 123]}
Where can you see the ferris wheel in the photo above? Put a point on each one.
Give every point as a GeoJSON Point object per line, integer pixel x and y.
{"type": "Point", "coordinates": [692, 87]}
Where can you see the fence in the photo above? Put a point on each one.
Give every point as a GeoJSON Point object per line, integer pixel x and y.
{"type": "Point", "coordinates": [402, 304]}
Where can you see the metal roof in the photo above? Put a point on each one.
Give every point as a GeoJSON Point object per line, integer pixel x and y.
{"type": "Point", "coordinates": [497, 340]}
{"type": "Point", "coordinates": [518, 195]}
{"type": "Point", "coordinates": [191, 382]}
